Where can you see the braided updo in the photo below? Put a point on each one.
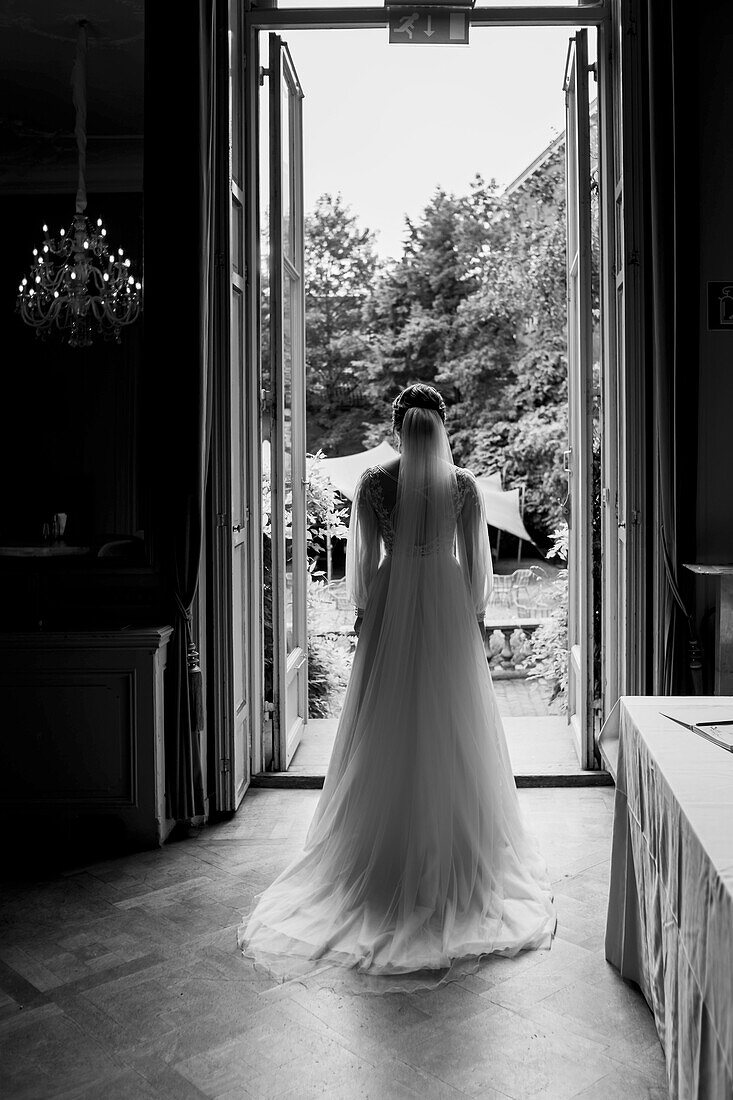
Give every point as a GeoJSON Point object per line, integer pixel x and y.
{"type": "Point", "coordinates": [419, 396]}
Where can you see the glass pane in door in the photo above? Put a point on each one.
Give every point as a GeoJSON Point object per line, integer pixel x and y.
{"type": "Point", "coordinates": [287, 443]}
{"type": "Point", "coordinates": [287, 190]}
{"type": "Point", "coordinates": [287, 364]}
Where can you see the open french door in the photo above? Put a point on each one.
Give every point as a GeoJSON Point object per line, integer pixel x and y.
{"type": "Point", "coordinates": [287, 407]}
{"type": "Point", "coordinates": [580, 401]}
{"type": "Point", "coordinates": [626, 480]}
{"type": "Point", "coordinates": [233, 550]}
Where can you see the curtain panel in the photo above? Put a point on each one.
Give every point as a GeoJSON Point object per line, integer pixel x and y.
{"type": "Point", "coordinates": [676, 651]}
{"type": "Point", "coordinates": [179, 215]}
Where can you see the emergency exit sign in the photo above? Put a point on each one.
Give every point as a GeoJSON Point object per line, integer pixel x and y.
{"type": "Point", "coordinates": [428, 27]}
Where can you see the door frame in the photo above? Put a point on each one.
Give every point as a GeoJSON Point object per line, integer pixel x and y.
{"type": "Point", "coordinates": [231, 689]}
{"type": "Point", "coordinates": [286, 267]}
{"type": "Point", "coordinates": [623, 642]}
{"type": "Point", "coordinates": [580, 690]}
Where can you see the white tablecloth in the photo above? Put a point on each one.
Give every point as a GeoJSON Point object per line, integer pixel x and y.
{"type": "Point", "coordinates": [670, 910]}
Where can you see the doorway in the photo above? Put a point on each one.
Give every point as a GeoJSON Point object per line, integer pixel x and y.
{"type": "Point", "coordinates": [280, 394]}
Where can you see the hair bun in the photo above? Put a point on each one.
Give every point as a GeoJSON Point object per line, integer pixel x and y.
{"type": "Point", "coordinates": [418, 396]}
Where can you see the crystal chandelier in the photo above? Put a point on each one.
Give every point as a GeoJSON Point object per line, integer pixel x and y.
{"type": "Point", "coordinates": [77, 285]}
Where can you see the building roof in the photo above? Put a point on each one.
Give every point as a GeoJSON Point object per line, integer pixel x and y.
{"type": "Point", "coordinates": [542, 158]}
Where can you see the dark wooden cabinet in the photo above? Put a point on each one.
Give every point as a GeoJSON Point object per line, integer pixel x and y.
{"type": "Point", "coordinates": [82, 728]}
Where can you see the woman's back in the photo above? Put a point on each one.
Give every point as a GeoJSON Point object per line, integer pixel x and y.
{"type": "Point", "coordinates": [380, 488]}
{"type": "Point", "coordinates": [416, 858]}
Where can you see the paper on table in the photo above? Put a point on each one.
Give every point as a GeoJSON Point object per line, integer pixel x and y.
{"type": "Point", "coordinates": [720, 733]}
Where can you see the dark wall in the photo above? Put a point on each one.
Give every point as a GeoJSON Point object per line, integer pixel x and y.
{"type": "Point", "coordinates": [705, 140]}
{"type": "Point", "coordinates": [711, 152]}
{"type": "Point", "coordinates": [77, 431]}
{"type": "Point", "coordinates": [71, 438]}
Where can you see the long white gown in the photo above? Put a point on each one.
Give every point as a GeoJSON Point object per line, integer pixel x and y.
{"type": "Point", "coordinates": [417, 862]}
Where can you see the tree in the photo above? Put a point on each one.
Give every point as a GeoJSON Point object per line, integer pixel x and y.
{"type": "Point", "coordinates": [340, 267]}
{"type": "Point", "coordinates": [412, 311]}
{"type": "Point", "coordinates": [508, 366]}
{"type": "Point", "coordinates": [476, 305]}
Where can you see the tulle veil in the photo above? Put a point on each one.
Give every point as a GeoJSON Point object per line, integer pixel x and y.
{"type": "Point", "coordinates": [417, 862]}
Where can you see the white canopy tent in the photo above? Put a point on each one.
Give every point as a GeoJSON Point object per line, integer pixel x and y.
{"type": "Point", "coordinates": [502, 508]}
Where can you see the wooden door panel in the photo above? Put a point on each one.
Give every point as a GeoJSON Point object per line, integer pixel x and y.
{"type": "Point", "coordinates": [287, 380]}
{"type": "Point", "coordinates": [232, 585]}
{"type": "Point", "coordinates": [580, 395]}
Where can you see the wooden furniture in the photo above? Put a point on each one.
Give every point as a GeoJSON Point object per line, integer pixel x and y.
{"type": "Point", "coordinates": [670, 908]}
{"type": "Point", "coordinates": [82, 727]}
{"type": "Point", "coordinates": [723, 623]}
{"type": "Point", "coordinates": [45, 550]}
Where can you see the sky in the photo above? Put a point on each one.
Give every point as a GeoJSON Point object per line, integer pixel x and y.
{"type": "Point", "coordinates": [387, 124]}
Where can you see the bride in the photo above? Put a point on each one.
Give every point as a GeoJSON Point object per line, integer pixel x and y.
{"type": "Point", "coordinates": [417, 862]}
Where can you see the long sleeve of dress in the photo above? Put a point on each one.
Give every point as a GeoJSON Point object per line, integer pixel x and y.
{"type": "Point", "coordinates": [474, 549]}
{"type": "Point", "coordinates": [363, 547]}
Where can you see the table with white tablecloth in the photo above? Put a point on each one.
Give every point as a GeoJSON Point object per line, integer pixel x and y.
{"type": "Point", "coordinates": [670, 910]}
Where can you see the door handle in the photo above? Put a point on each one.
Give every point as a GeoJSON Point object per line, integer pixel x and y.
{"type": "Point", "coordinates": [566, 469]}
{"type": "Point", "coordinates": [237, 527]}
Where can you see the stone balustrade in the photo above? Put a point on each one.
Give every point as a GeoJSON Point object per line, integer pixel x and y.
{"type": "Point", "coordinates": [508, 646]}
{"type": "Point", "coordinates": [507, 638]}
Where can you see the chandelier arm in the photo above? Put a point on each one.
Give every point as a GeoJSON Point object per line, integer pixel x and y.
{"type": "Point", "coordinates": [95, 277]}
{"type": "Point", "coordinates": [79, 86]}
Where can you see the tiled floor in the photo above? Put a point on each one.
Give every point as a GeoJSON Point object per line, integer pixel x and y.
{"type": "Point", "coordinates": [122, 980]}
{"type": "Point", "coordinates": [522, 697]}
{"type": "Point", "coordinates": [537, 747]}
{"type": "Point", "coordinates": [540, 743]}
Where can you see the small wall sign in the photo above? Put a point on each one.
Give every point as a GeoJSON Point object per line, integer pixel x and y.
{"type": "Point", "coordinates": [419, 27]}
{"type": "Point", "coordinates": [720, 305]}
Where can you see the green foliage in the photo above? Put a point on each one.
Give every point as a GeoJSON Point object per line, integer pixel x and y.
{"type": "Point", "coordinates": [323, 509]}
{"type": "Point", "coordinates": [330, 657]}
{"type": "Point", "coordinates": [548, 658]}
{"type": "Point", "coordinates": [412, 311]}
{"type": "Point", "coordinates": [532, 447]}
{"type": "Point", "coordinates": [328, 674]}
{"type": "Point", "coordinates": [508, 364]}
{"type": "Point", "coordinates": [324, 513]}
{"type": "Point", "coordinates": [476, 305]}
{"type": "Point", "coordinates": [340, 266]}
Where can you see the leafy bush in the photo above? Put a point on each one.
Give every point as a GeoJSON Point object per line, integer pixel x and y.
{"type": "Point", "coordinates": [324, 512]}
{"type": "Point", "coordinates": [548, 659]}
{"type": "Point", "coordinates": [329, 668]}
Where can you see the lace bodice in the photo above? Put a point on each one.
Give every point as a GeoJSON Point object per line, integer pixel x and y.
{"type": "Point", "coordinates": [372, 536]}
{"type": "Point", "coordinates": [372, 485]}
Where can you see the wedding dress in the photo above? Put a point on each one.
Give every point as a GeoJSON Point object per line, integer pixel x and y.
{"type": "Point", "coordinates": [417, 862]}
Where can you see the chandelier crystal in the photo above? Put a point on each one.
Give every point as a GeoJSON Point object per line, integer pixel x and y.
{"type": "Point", "coordinates": [77, 285]}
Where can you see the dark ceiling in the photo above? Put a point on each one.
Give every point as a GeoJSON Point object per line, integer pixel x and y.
{"type": "Point", "coordinates": [37, 49]}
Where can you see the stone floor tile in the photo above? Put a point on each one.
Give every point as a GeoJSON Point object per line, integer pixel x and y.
{"type": "Point", "coordinates": [613, 1010]}
{"type": "Point", "coordinates": [624, 1083]}
{"type": "Point", "coordinates": [548, 1064]}
{"type": "Point", "coordinates": [126, 971]}
{"type": "Point", "coordinates": [392, 1079]}
{"type": "Point", "coordinates": [123, 1085]}
{"type": "Point", "coordinates": [52, 1058]}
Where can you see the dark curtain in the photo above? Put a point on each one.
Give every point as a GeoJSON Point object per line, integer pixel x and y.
{"type": "Point", "coordinates": [180, 196]}
{"type": "Point", "coordinates": [673, 624]}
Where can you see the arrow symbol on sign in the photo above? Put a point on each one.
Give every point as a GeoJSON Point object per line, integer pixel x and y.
{"type": "Point", "coordinates": [430, 32]}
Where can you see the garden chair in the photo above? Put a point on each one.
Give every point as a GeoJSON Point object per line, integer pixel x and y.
{"type": "Point", "coordinates": [521, 580]}
{"type": "Point", "coordinates": [501, 590]}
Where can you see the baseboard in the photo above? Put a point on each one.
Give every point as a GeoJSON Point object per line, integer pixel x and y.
{"type": "Point", "coordinates": [285, 781]}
